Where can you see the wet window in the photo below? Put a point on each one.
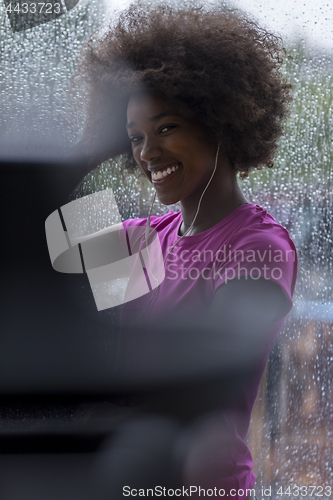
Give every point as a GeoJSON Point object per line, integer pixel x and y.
{"type": "Point", "coordinates": [290, 434]}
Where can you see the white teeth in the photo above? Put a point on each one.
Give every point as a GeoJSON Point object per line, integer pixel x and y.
{"type": "Point", "coordinates": [159, 175]}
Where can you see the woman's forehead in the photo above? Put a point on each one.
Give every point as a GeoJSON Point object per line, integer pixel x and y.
{"type": "Point", "coordinates": [147, 106]}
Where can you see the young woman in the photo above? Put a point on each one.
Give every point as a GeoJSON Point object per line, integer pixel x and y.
{"type": "Point", "coordinates": [193, 97]}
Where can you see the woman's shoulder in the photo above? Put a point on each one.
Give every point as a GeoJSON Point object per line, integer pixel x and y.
{"type": "Point", "coordinates": [262, 241]}
{"type": "Point", "coordinates": [251, 225]}
{"type": "Point", "coordinates": [258, 246]}
{"type": "Point", "coordinates": [260, 226]}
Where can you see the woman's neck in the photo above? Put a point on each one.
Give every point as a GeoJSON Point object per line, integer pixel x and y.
{"type": "Point", "coordinates": [222, 197]}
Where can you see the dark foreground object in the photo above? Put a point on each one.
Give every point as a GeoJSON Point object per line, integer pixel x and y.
{"type": "Point", "coordinates": [71, 427]}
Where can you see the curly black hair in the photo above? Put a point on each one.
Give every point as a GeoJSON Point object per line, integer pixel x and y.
{"type": "Point", "coordinates": [216, 66]}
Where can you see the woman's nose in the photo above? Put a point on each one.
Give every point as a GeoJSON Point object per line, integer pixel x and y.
{"type": "Point", "coordinates": [150, 150]}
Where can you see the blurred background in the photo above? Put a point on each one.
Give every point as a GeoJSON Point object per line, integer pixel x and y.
{"type": "Point", "coordinates": [291, 429]}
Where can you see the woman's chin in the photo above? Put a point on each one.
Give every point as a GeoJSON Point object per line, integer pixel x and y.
{"type": "Point", "coordinates": [167, 199]}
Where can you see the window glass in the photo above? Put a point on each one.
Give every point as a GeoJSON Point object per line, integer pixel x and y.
{"type": "Point", "coordinates": [290, 434]}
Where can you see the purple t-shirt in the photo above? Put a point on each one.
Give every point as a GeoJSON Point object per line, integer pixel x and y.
{"type": "Point", "coordinates": [248, 242]}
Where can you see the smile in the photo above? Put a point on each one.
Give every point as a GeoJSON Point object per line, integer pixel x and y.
{"type": "Point", "coordinates": [163, 174]}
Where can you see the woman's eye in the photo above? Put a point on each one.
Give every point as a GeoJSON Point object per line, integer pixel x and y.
{"type": "Point", "coordinates": [134, 138]}
{"type": "Point", "coordinates": [166, 128]}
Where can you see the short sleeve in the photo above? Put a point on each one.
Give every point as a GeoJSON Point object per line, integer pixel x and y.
{"type": "Point", "coordinates": [261, 251]}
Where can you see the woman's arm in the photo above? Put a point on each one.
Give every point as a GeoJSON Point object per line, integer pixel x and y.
{"type": "Point", "coordinates": [243, 309]}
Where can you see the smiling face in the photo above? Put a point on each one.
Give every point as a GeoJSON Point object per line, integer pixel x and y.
{"type": "Point", "coordinates": [173, 152]}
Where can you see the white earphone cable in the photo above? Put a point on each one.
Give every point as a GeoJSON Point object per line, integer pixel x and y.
{"type": "Point", "coordinates": [173, 246]}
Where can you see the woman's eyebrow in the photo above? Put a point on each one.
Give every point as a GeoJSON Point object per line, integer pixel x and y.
{"type": "Point", "coordinates": [152, 119]}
